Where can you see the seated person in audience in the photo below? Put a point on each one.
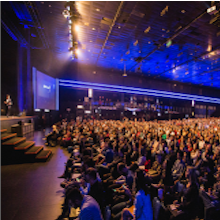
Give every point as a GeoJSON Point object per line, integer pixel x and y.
{"type": "Point", "coordinates": [142, 204]}
{"type": "Point", "coordinates": [89, 208]}
{"type": "Point", "coordinates": [70, 163]}
{"type": "Point", "coordinates": [78, 182]}
{"type": "Point", "coordinates": [86, 163]}
{"type": "Point", "coordinates": [187, 158]}
{"type": "Point", "coordinates": [147, 164]}
{"type": "Point", "coordinates": [189, 203]}
{"type": "Point", "coordinates": [178, 166]}
{"type": "Point", "coordinates": [95, 187]}
{"type": "Point", "coordinates": [154, 173]}
{"type": "Point", "coordinates": [66, 139]}
{"type": "Point", "coordinates": [51, 138]}
{"type": "Point", "coordinates": [126, 176]}
{"type": "Point", "coordinates": [135, 154]}
{"type": "Point", "coordinates": [206, 178]}
{"type": "Point", "coordinates": [212, 196]}
{"type": "Point", "coordinates": [142, 158]}
{"type": "Point", "coordinates": [195, 152]}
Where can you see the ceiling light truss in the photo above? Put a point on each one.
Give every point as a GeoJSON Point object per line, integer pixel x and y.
{"type": "Point", "coordinates": [72, 16]}
{"type": "Point", "coordinates": [110, 29]}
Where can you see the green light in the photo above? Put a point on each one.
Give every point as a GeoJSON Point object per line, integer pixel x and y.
{"type": "Point", "coordinates": [169, 42]}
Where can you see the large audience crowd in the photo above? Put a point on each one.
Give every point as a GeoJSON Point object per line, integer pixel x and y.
{"type": "Point", "coordinates": [140, 170]}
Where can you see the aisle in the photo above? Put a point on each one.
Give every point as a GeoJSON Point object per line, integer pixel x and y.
{"type": "Point", "coordinates": [32, 191]}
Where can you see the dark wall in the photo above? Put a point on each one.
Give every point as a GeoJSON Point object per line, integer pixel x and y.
{"type": "Point", "coordinates": [8, 70]}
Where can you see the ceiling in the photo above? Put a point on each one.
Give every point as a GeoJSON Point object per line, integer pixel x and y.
{"type": "Point", "coordinates": [133, 36]}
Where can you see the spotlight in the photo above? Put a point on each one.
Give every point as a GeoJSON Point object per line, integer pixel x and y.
{"type": "Point", "coordinates": [77, 28]}
{"type": "Point", "coordinates": [212, 10]}
{"type": "Point", "coordinates": [77, 51]}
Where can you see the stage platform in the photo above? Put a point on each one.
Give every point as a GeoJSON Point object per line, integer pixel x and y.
{"type": "Point", "coordinates": [7, 122]}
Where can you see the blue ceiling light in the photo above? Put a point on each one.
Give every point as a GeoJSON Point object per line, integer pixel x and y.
{"type": "Point", "coordinates": [140, 91]}
{"type": "Point", "coordinates": [21, 11]}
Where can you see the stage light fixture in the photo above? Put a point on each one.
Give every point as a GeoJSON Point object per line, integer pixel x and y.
{"type": "Point", "coordinates": [212, 10]}
{"type": "Point", "coordinates": [66, 13]}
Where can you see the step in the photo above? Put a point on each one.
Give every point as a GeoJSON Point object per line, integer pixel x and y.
{"type": "Point", "coordinates": [25, 145]}
{"type": "Point", "coordinates": [5, 136]}
{"type": "Point", "coordinates": [34, 150]}
{"type": "Point", "coordinates": [3, 130]}
{"type": "Point", "coordinates": [14, 141]}
{"type": "Point", "coordinates": [44, 154]}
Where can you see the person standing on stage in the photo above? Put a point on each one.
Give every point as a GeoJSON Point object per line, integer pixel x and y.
{"type": "Point", "coordinates": [8, 104]}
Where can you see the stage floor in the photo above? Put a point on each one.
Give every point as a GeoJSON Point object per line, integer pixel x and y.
{"type": "Point", "coordinates": [5, 118]}
{"type": "Point", "coordinates": [7, 122]}
{"type": "Point", "coordinates": [32, 191]}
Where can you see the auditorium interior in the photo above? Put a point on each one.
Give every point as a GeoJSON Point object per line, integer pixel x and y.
{"type": "Point", "coordinates": [110, 110]}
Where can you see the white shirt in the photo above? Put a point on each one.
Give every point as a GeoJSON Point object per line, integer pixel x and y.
{"type": "Point", "coordinates": [201, 144]}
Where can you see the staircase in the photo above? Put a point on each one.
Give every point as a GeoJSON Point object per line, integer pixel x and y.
{"type": "Point", "coordinates": [17, 150]}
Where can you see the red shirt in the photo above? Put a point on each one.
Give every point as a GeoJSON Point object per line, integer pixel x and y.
{"type": "Point", "coordinates": [147, 165]}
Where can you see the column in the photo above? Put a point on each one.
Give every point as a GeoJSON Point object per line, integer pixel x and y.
{"type": "Point", "coordinates": [29, 92]}
{"type": "Point", "coordinates": [20, 84]}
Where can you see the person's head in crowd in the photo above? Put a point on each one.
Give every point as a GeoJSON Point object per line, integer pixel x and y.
{"type": "Point", "coordinates": [141, 181]}
{"type": "Point", "coordinates": [134, 167]}
{"type": "Point", "coordinates": [110, 145]}
{"type": "Point", "coordinates": [170, 148]}
{"type": "Point", "coordinates": [87, 151]}
{"type": "Point", "coordinates": [88, 162]}
{"type": "Point", "coordinates": [195, 146]}
{"type": "Point", "coordinates": [122, 169]}
{"type": "Point", "coordinates": [179, 155]}
{"type": "Point", "coordinates": [54, 127]}
{"type": "Point", "coordinates": [91, 175]}
{"type": "Point", "coordinates": [75, 198]}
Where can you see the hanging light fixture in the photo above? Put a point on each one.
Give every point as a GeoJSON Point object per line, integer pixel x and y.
{"type": "Point", "coordinates": [72, 15]}
{"type": "Point", "coordinates": [124, 74]}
